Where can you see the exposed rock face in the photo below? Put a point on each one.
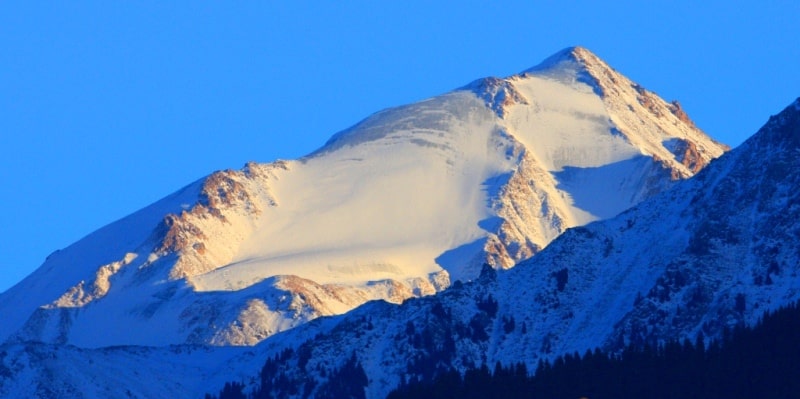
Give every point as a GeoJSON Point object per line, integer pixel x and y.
{"type": "Point", "coordinates": [499, 94]}
{"type": "Point", "coordinates": [526, 210]}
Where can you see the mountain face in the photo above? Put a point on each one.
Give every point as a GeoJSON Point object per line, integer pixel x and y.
{"type": "Point", "coordinates": [714, 252]}
{"type": "Point", "coordinates": [400, 205]}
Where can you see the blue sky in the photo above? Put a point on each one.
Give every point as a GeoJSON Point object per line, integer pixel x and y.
{"type": "Point", "coordinates": [106, 107]}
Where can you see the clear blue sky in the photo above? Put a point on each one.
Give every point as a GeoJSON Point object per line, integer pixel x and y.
{"type": "Point", "coordinates": [107, 106]}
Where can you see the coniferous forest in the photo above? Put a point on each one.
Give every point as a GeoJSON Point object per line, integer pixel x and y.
{"type": "Point", "coordinates": [762, 361]}
{"type": "Point", "coordinates": [758, 362]}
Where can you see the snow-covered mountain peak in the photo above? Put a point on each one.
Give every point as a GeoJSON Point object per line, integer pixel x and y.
{"type": "Point", "coordinates": [572, 54]}
{"type": "Point", "coordinates": [572, 63]}
{"type": "Point", "coordinates": [399, 205]}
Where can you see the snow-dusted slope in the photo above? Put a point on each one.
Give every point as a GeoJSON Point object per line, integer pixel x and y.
{"type": "Point", "coordinates": [716, 251]}
{"type": "Point", "coordinates": [397, 206]}
{"type": "Point", "coordinates": [53, 371]}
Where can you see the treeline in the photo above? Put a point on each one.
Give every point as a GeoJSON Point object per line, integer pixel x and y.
{"type": "Point", "coordinates": [758, 362]}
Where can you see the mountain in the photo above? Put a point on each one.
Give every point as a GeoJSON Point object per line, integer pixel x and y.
{"type": "Point", "coordinates": [398, 206]}
{"type": "Point", "coordinates": [715, 252]}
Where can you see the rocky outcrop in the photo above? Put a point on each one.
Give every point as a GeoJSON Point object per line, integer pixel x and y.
{"type": "Point", "coordinates": [498, 94]}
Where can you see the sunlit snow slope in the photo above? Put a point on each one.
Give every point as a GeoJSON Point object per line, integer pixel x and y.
{"type": "Point", "coordinates": [399, 205]}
